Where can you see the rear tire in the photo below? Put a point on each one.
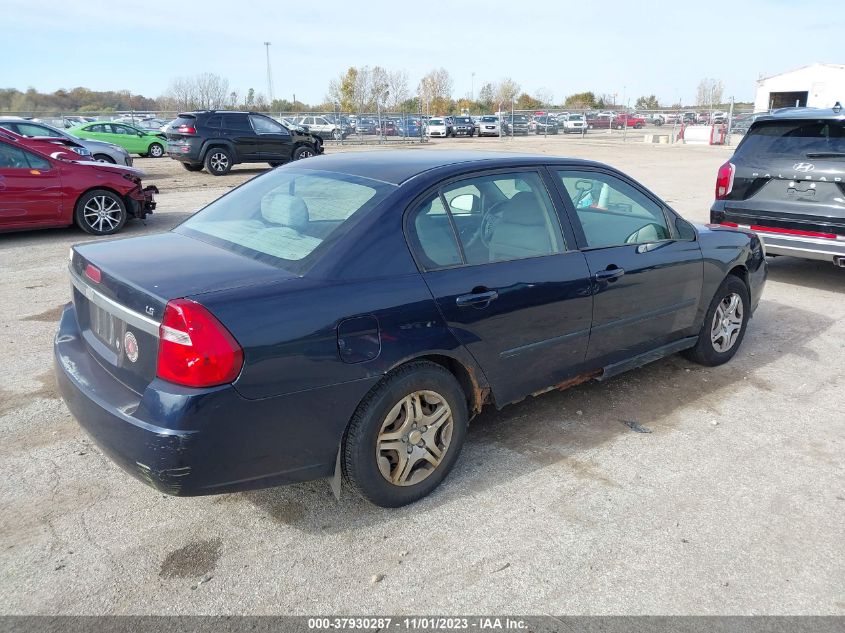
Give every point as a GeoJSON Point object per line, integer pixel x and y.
{"type": "Point", "coordinates": [275, 163]}
{"type": "Point", "coordinates": [156, 150]}
{"type": "Point", "coordinates": [192, 167]}
{"type": "Point", "coordinates": [218, 161]}
{"type": "Point", "coordinates": [100, 212]}
{"type": "Point", "coordinates": [104, 158]}
{"type": "Point", "coordinates": [405, 436]}
{"type": "Point", "coordinates": [719, 338]}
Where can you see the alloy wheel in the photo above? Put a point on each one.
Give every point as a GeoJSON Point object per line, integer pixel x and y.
{"type": "Point", "coordinates": [102, 213]}
{"type": "Point", "coordinates": [727, 323]}
{"type": "Point", "coordinates": [219, 161]}
{"type": "Point", "coordinates": [414, 438]}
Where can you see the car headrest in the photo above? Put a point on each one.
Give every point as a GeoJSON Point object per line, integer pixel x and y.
{"type": "Point", "coordinates": [285, 210]}
{"type": "Point", "coordinates": [524, 209]}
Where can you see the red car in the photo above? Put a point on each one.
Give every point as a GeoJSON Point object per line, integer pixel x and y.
{"type": "Point", "coordinates": [43, 188]}
{"type": "Point", "coordinates": [618, 121]}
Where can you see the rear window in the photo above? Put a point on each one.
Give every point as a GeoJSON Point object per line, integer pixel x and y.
{"type": "Point", "coordinates": [189, 121]}
{"type": "Point", "coordinates": [288, 217]}
{"type": "Point", "coordinates": [794, 139]}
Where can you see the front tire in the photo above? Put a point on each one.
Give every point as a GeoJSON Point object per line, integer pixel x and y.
{"type": "Point", "coordinates": [304, 151]}
{"type": "Point", "coordinates": [155, 150]}
{"type": "Point", "coordinates": [724, 324]}
{"type": "Point", "coordinates": [218, 161]}
{"type": "Point", "coordinates": [104, 158]}
{"type": "Point", "coordinates": [405, 436]}
{"type": "Point", "coordinates": [100, 212]}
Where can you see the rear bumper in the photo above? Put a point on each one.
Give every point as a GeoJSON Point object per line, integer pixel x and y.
{"type": "Point", "coordinates": [799, 246]}
{"type": "Point", "coordinates": [188, 442]}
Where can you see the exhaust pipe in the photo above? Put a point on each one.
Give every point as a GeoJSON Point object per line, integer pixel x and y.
{"type": "Point", "coordinates": [839, 261]}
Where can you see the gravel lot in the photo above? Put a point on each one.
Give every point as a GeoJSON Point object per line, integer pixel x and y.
{"type": "Point", "coordinates": [733, 504]}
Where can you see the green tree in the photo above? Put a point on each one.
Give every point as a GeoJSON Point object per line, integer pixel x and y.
{"type": "Point", "coordinates": [647, 103]}
{"type": "Point", "coordinates": [581, 100]}
{"type": "Point", "coordinates": [526, 102]}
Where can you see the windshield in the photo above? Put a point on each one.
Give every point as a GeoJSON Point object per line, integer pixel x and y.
{"type": "Point", "coordinates": [520, 118]}
{"type": "Point", "coordinates": [436, 122]}
{"type": "Point", "coordinates": [488, 119]}
{"type": "Point", "coordinates": [576, 117]}
{"type": "Point", "coordinates": [284, 216]}
{"type": "Point", "coordinates": [463, 120]}
{"type": "Point", "coordinates": [795, 139]}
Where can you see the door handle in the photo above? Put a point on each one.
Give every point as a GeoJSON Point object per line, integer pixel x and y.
{"type": "Point", "coordinates": [610, 274]}
{"type": "Point", "coordinates": [479, 299]}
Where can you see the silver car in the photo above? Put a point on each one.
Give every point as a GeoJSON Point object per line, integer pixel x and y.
{"type": "Point", "coordinates": [100, 150]}
{"type": "Point", "coordinates": [488, 125]}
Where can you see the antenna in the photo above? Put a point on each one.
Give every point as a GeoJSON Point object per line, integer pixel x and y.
{"type": "Point", "coordinates": [269, 75]}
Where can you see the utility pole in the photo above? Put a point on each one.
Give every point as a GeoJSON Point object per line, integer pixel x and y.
{"type": "Point", "coordinates": [269, 74]}
{"type": "Point", "coordinates": [472, 88]}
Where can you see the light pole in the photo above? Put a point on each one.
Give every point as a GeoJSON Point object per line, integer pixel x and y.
{"type": "Point", "coordinates": [472, 88]}
{"type": "Point", "coordinates": [269, 75]}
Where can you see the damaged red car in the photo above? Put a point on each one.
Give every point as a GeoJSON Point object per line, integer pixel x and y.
{"type": "Point", "coordinates": [40, 188]}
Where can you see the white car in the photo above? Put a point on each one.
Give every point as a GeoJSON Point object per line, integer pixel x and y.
{"type": "Point", "coordinates": [576, 123]}
{"type": "Point", "coordinates": [488, 125]}
{"type": "Point", "coordinates": [321, 126]}
{"type": "Point", "coordinates": [437, 127]}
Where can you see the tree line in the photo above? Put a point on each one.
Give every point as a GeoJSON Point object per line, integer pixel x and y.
{"type": "Point", "coordinates": [358, 89]}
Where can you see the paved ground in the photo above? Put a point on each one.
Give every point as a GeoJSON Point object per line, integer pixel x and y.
{"type": "Point", "coordinates": [734, 503]}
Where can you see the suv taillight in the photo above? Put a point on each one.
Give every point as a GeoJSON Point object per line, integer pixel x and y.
{"type": "Point", "coordinates": [186, 129]}
{"type": "Point", "coordinates": [194, 348]}
{"type": "Point", "coordinates": [725, 180]}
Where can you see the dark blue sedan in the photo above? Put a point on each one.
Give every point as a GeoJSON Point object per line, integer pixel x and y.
{"type": "Point", "coordinates": [348, 315]}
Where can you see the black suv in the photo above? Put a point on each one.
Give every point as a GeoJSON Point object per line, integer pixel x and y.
{"type": "Point", "coordinates": [462, 126]}
{"type": "Point", "coordinates": [516, 124]}
{"type": "Point", "coordinates": [786, 182]}
{"type": "Point", "coordinates": [217, 140]}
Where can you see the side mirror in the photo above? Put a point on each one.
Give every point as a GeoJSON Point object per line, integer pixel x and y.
{"type": "Point", "coordinates": [465, 202]}
{"type": "Point", "coordinates": [141, 134]}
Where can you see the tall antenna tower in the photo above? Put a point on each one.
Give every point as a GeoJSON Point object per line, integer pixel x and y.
{"type": "Point", "coordinates": [269, 75]}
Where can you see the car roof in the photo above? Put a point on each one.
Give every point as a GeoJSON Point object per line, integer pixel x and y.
{"type": "Point", "coordinates": [835, 113]}
{"type": "Point", "coordinates": [398, 166]}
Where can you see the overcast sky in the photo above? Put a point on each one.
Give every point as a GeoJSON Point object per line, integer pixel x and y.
{"type": "Point", "coordinates": [626, 48]}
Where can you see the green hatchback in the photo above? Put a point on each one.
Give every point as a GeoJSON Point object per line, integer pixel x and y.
{"type": "Point", "coordinates": [134, 140]}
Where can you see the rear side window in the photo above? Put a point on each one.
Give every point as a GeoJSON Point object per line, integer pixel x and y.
{"type": "Point", "coordinates": [283, 217]}
{"type": "Point", "coordinates": [237, 122]}
{"type": "Point", "coordinates": [794, 139]}
{"type": "Point", "coordinates": [214, 121]}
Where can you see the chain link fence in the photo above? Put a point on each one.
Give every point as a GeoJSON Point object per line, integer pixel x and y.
{"type": "Point", "coordinates": [386, 127]}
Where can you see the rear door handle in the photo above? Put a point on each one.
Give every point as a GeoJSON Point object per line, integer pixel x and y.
{"type": "Point", "coordinates": [479, 299]}
{"type": "Point", "coordinates": [609, 275]}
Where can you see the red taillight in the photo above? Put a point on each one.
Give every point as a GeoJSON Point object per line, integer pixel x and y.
{"type": "Point", "coordinates": [725, 181]}
{"type": "Point", "coordinates": [194, 348]}
{"type": "Point", "coordinates": [93, 273]}
{"type": "Point", "coordinates": [186, 129]}
{"type": "Point", "coordinates": [731, 224]}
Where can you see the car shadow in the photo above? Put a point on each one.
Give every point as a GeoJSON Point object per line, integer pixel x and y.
{"type": "Point", "coordinates": [562, 428]}
{"type": "Point", "coordinates": [808, 273]}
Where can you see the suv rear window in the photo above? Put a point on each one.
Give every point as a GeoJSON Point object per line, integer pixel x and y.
{"type": "Point", "coordinates": [794, 139]}
{"type": "Point", "coordinates": [189, 121]}
{"type": "Point", "coordinates": [283, 217]}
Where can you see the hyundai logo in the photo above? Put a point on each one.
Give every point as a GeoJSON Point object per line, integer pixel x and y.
{"type": "Point", "coordinates": [803, 167]}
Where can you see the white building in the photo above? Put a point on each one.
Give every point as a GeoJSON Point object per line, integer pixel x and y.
{"type": "Point", "coordinates": [815, 86]}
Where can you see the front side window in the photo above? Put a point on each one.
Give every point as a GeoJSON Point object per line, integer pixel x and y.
{"type": "Point", "coordinates": [263, 125]}
{"type": "Point", "coordinates": [16, 158]}
{"type": "Point", "coordinates": [612, 212]}
{"type": "Point", "coordinates": [486, 219]}
{"type": "Point", "coordinates": [283, 217]}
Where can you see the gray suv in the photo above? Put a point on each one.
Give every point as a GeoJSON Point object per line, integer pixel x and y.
{"type": "Point", "coordinates": [786, 182]}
